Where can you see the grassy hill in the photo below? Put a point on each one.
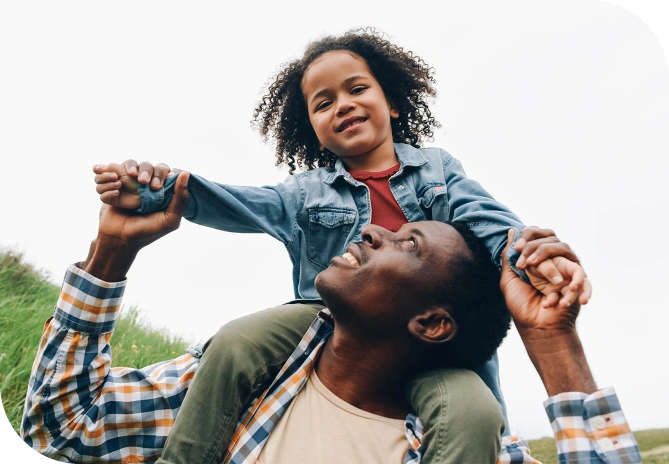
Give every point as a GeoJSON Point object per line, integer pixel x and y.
{"type": "Point", "coordinates": [27, 299]}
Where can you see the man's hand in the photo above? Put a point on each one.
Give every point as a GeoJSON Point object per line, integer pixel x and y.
{"type": "Point", "coordinates": [560, 288]}
{"type": "Point", "coordinates": [121, 234]}
{"type": "Point", "coordinates": [548, 333]}
{"type": "Point", "coordinates": [117, 183]}
{"type": "Point", "coordinates": [527, 303]}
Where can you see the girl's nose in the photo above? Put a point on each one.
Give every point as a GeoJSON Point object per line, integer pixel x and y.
{"type": "Point", "coordinates": [344, 105]}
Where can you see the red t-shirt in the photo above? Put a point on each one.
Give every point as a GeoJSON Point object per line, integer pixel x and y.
{"type": "Point", "coordinates": [385, 210]}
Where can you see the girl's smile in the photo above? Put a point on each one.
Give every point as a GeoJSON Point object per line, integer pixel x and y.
{"type": "Point", "coordinates": [349, 111]}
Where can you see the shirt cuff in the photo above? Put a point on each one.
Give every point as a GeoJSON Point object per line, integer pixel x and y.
{"type": "Point", "coordinates": [88, 304]}
{"type": "Point", "coordinates": [155, 200]}
{"type": "Point", "coordinates": [596, 422]}
{"type": "Point", "coordinates": [512, 256]}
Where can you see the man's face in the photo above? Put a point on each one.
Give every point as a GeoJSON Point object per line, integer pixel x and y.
{"type": "Point", "coordinates": [380, 281]}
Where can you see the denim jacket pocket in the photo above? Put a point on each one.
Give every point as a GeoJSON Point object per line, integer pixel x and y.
{"type": "Point", "coordinates": [431, 197]}
{"type": "Point", "coordinates": [328, 231]}
{"type": "Point", "coordinates": [430, 193]}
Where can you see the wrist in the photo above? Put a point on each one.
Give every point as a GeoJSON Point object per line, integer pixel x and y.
{"type": "Point", "coordinates": [540, 342]}
{"type": "Point", "coordinates": [559, 359]}
{"type": "Point", "coordinates": [109, 259]}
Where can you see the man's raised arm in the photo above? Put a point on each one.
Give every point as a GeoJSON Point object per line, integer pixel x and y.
{"type": "Point", "coordinates": [77, 407]}
{"type": "Point", "coordinates": [588, 423]}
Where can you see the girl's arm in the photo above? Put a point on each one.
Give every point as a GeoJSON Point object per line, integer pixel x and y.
{"type": "Point", "coordinates": [270, 209]}
{"type": "Point", "coordinates": [490, 220]}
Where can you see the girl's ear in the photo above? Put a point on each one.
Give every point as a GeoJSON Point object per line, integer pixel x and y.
{"type": "Point", "coordinates": [433, 326]}
{"type": "Point", "coordinates": [394, 113]}
{"type": "Point", "coordinates": [321, 147]}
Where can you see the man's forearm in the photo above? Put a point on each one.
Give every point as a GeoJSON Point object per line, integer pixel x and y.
{"type": "Point", "coordinates": [560, 361]}
{"type": "Point", "coordinates": [109, 259]}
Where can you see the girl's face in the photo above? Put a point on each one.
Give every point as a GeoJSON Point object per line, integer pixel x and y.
{"type": "Point", "coordinates": [349, 111]}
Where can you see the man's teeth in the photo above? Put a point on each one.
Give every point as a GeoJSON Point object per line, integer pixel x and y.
{"type": "Point", "coordinates": [351, 259]}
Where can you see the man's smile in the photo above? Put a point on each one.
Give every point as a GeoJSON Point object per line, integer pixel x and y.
{"type": "Point", "coordinates": [354, 255]}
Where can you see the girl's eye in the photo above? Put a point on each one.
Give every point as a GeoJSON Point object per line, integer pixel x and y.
{"type": "Point", "coordinates": [323, 105]}
{"type": "Point", "coordinates": [358, 89]}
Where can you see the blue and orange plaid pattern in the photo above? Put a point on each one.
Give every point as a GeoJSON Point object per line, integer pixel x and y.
{"type": "Point", "coordinates": [595, 420]}
{"type": "Point", "coordinates": [80, 409]}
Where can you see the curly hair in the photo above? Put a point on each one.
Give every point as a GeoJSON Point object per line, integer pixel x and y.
{"type": "Point", "coordinates": [405, 78]}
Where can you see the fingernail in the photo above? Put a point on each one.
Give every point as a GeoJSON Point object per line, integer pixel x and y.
{"type": "Point", "coordinates": [557, 279]}
{"type": "Point", "coordinates": [144, 176]}
{"type": "Point", "coordinates": [532, 257]}
{"type": "Point", "coordinates": [132, 170]}
{"type": "Point", "coordinates": [520, 243]}
{"type": "Point", "coordinates": [520, 261]}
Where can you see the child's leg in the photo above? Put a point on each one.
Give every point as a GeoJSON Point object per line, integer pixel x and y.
{"type": "Point", "coordinates": [462, 418]}
{"type": "Point", "coordinates": [243, 354]}
{"type": "Point", "coordinates": [489, 373]}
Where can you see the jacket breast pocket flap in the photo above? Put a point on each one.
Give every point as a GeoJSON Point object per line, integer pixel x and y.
{"type": "Point", "coordinates": [431, 193]}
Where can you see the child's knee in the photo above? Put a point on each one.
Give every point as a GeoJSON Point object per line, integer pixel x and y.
{"type": "Point", "coordinates": [456, 406]}
{"type": "Point", "coordinates": [261, 338]}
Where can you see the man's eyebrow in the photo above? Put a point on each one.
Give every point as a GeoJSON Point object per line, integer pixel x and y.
{"type": "Point", "coordinates": [346, 81]}
{"type": "Point", "coordinates": [418, 232]}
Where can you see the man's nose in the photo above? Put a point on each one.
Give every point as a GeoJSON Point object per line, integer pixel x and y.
{"type": "Point", "coordinates": [374, 235]}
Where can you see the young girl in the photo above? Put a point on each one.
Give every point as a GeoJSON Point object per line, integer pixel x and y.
{"type": "Point", "coordinates": [351, 113]}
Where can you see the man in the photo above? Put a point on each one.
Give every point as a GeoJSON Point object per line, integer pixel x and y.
{"type": "Point", "coordinates": [79, 410]}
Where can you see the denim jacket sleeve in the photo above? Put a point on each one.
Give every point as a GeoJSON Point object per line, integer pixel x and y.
{"type": "Point", "coordinates": [490, 220]}
{"type": "Point", "coordinates": [270, 209]}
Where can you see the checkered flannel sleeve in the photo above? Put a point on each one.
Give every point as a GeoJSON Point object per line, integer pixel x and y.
{"type": "Point", "coordinates": [591, 428]}
{"type": "Point", "coordinates": [80, 409]}
{"type": "Point", "coordinates": [587, 428]}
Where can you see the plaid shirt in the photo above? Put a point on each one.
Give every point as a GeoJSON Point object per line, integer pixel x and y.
{"type": "Point", "coordinates": [80, 409]}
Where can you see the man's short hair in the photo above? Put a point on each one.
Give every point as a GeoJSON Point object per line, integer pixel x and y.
{"type": "Point", "coordinates": [476, 303]}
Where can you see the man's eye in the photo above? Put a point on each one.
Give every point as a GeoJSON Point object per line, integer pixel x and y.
{"type": "Point", "coordinates": [410, 244]}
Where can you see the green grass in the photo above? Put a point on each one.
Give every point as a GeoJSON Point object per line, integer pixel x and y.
{"type": "Point", "coordinates": [27, 299]}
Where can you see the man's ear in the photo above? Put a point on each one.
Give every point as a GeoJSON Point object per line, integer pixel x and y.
{"type": "Point", "coordinates": [433, 326]}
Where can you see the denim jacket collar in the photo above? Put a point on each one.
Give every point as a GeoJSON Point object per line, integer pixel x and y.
{"type": "Point", "coordinates": [408, 156]}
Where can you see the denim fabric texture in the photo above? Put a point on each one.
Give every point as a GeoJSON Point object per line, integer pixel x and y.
{"type": "Point", "coordinates": [316, 214]}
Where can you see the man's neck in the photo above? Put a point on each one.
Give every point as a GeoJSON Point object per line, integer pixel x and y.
{"type": "Point", "coordinates": [367, 376]}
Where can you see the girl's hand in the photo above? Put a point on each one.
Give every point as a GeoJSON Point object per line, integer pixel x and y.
{"type": "Point", "coordinates": [561, 284]}
{"type": "Point", "coordinates": [146, 173]}
{"type": "Point", "coordinates": [117, 184]}
{"type": "Point", "coordinates": [528, 305]}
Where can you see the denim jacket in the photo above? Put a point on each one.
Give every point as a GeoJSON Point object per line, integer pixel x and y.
{"type": "Point", "coordinates": [316, 214]}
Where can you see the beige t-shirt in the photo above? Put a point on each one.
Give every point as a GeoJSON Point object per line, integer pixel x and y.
{"type": "Point", "coordinates": [320, 428]}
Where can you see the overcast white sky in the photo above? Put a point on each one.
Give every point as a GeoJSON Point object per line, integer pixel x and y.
{"type": "Point", "coordinates": [559, 108]}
